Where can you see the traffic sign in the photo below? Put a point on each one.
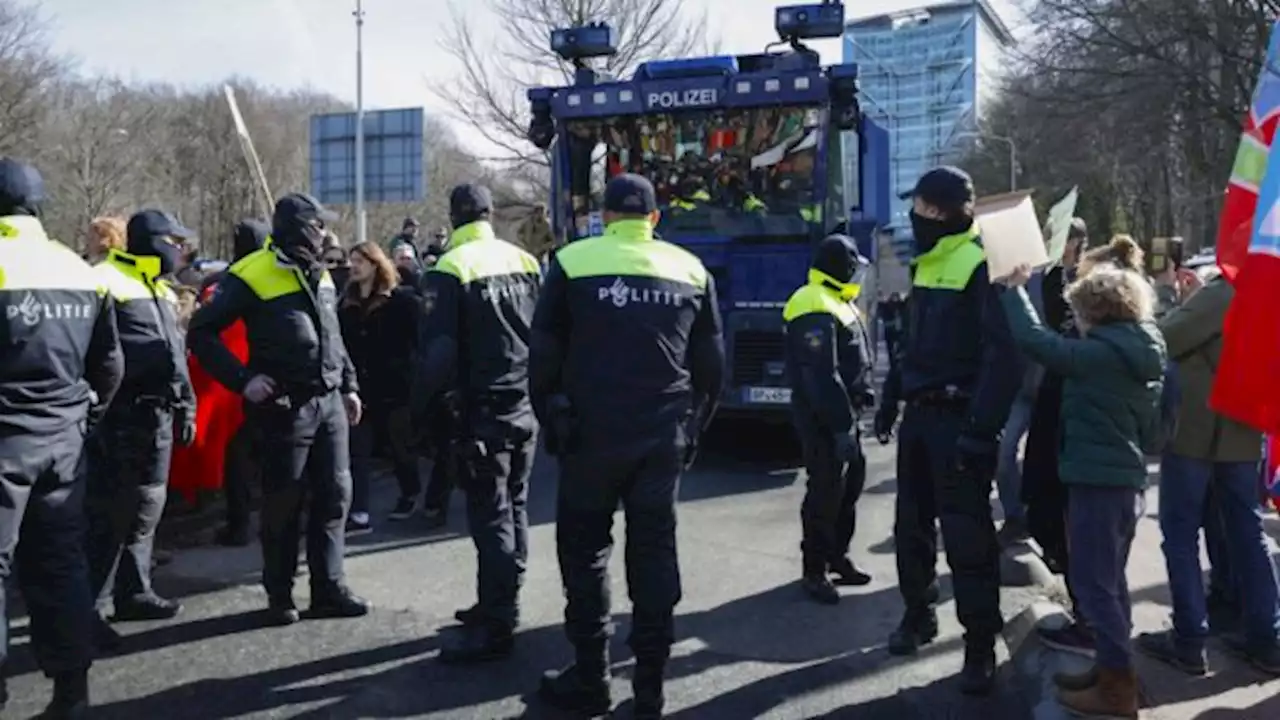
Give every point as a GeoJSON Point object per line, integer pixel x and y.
{"type": "Point", "coordinates": [393, 157]}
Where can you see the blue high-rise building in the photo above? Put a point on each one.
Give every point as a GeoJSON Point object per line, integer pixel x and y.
{"type": "Point", "coordinates": [924, 74]}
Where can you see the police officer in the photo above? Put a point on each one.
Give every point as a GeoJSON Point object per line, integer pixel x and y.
{"type": "Point", "coordinates": [624, 426]}
{"type": "Point", "coordinates": [130, 451]}
{"type": "Point", "coordinates": [301, 392]}
{"type": "Point", "coordinates": [60, 351]}
{"type": "Point", "coordinates": [828, 367]}
{"type": "Point", "coordinates": [959, 372]}
{"type": "Point", "coordinates": [479, 301]}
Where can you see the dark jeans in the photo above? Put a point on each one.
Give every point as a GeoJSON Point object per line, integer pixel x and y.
{"type": "Point", "coordinates": [1184, 488]}
{"type": "Point", "coordinates": [495, 477]}
{"type": "Point", "coordinates": [828, 515]}
{"type": "Point", "coordinates": [387, 426]}
{"type": "Point", "coordinates": [42, 526]}
{"type": "Point", "coordinates": [1100, 526]}
{"type": "Point", "coordinates": [931, 490]}
{"type": "Point", "coordinates": [1043, 493]}
{"type": "Point", "coordinates": [128, 479]}
{"type": "Point", "coordinates": [592, 485]}
{"type": "Point", "coordinates": [305, 459]}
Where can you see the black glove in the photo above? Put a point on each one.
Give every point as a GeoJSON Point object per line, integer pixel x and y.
{"type": "Point", "coordinates": [186, 427]}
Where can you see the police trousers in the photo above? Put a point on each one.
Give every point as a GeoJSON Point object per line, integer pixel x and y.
{"type": "Point", "coordinates": [42, 525]}
{"type": "Point", "coordinates": [930, 489]}
{"type": "Point", "coordinates": [128, 480]}
{"type": "Point", "coordinates": [305, 463]}
{"type": "Point", "coordinates": [828, 515]}
{"type": "Point", "coordinates": [592, 484]}
{"type": "Point", "coordinates": [494, 475]}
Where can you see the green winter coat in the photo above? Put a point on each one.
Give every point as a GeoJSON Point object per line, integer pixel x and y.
{"type": "Point", "coordinates": [1113, 379]}
{"type": "Point", "coordinates": [1193, 332]}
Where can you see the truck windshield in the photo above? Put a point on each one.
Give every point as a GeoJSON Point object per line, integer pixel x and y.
{"type": "Point", "coordinates": [739, 172]}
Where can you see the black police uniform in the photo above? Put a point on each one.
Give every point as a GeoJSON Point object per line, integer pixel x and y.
{"type": "Point", "coordinates": [130, 451]}
{"type": "Point", "coordinates": [959, 373]}
{"type": "Point", "coordinates": [289, 306]}
{"type": "Point", "coordinates": [479, 300]}
{"type": "Point", "coordinates": [627, 365]}
{"type": "Point", "coordinates": [828, 367]}
{"type": "Point", "coordinates": [59, 350]}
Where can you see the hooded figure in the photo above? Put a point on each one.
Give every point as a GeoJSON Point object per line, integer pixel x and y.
{"type": "Point", "coordinates": [297, 229]}
{"type": "Point", "coordinates": [249, 236]}
{"type": "Point", "coordinates": [828, 368]}
{"type": "Point", "coordinates": [21, 189]}
{"type": "Point", "coordinates": [157, 234]}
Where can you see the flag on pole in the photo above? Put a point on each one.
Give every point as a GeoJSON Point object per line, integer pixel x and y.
{"type": "Point", "coordinates": [1241, 202]}
{"type": "Point", "coordinates": [1245, 387]}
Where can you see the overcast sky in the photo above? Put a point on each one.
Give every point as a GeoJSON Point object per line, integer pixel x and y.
{"type": "Point", "coordinates": [278, 43]}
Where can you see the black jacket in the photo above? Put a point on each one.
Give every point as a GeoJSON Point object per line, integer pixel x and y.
{"type": "Point", "coordinates": [828, 360]}
{"type": "Point", "coordinates": [628, 331]}
{"type": "Point", "coordinates": [478, 303]}
{"type": "Point", "coordinates": [59, 345]}
{"type": "Point", "coordinates": [294, 334]}
{"type": "Point", "coordinates": [381, 335]}
{"type": "Point", "coordinates": [958, 338]}
{"type": "Point", "coordinates": [155, 350]}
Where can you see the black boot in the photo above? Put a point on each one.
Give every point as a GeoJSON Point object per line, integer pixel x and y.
{"type": "Point", "coordinates": [583, 687]}
{"type": "Point", "coordinates": [820, 588]}
{"type": "Point", "coordinates": [281, 611]}
{"type": "Point", "coordinates": [476, 644]}
{"type": "Point", "coordinates": [916, 629]}
{"type": "Point", "coordinates": [70, 696]}
{"type": "Point", "coordinates": [337, 602]}
{"type": "Point", "coordinates": [646, 686]}
{"type": "Point", "coordinates": [978, 677]}
{"type": "Point", "coordinates": [146, 607]}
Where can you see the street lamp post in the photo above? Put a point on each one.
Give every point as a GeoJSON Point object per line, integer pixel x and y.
{"type": "Point", "coordinates": [360, 214]}
{"type": "Point", "coordinates": [1013, 153]}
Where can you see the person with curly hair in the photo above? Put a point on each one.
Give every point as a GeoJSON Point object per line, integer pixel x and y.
{"type": "Point", "coordinates": [1111, 396]}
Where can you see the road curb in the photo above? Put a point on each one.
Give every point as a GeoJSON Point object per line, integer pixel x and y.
{"type": "Point", "coordinates": [1022, 566]}
{"type": "Point", "coordinates": [1035, 664]}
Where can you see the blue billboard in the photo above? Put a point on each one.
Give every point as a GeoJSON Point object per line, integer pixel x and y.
{"type": "Point", "coordinates": [393, 155]}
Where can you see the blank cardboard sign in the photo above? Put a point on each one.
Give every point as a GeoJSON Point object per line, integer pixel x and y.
{"type": "Point", "coordinates": [1011, 233]}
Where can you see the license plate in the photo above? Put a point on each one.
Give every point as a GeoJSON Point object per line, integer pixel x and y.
{"type": "Point", "coordinates": [769, 395]}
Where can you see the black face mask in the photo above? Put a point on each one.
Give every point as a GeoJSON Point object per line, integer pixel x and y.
{"type": "Point", "coordinates": [157, 247]}
{"type": "Point", "coordinates": [302, 244]}
{"type": "Point", "coordinates": [928, 231]}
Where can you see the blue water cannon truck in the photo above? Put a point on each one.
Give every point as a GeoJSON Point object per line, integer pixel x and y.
{"type": "Point", "coordinates": [754, 157]}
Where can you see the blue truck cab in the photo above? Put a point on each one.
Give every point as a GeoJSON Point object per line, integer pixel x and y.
{"type": "Point", "coordinates": [754, 158]}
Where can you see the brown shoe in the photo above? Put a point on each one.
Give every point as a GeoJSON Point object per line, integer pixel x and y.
{"type": "Point", "coordinates": [1115, 695]}
{"type": "Point", "coordinates": [1076, 681]}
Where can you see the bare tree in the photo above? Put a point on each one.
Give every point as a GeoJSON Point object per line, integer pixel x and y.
{"type": "Point", "coordinates": [27, 69]}
{"type": "Point", "coordinates": [489, 94]}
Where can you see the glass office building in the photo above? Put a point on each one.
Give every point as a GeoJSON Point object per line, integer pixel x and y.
{"type": "Point", "coordinates": [924, 74]}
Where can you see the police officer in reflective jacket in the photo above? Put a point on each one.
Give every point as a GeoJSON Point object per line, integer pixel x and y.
{"type": "Point", "coordinates": [829, 366]}
{"type": "Point", "coordinates": [958, 374]}
{"type": "Point", "coordinates": [130, 451]}
{"type": "Point", "coordinates": [60, 365]}
{"type": "Point", "coordinates": [479, 299]}
{"type": "Point", "coordinates": [301, 393]}
{"type": "Point", "coordinates": [626, 368]}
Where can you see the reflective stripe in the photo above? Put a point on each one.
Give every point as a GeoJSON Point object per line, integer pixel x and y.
{"type": "Point", "coordinates": [130, 277]}
{"type": "Point", "coordinates": [476, 253]}
{"type": "Point", "coordinates": [29, 260]}
{"type": "Point", "coordinates": [629, 248]}
{"type": "Point", "coordinates": [269, 277]}
{"type": "Point", "coordinates": [951, 263]}
{"type": "Point", "coordinates": [815, 298]}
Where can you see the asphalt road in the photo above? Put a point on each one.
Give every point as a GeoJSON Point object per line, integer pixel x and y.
{"type": "Point", "coordinates": [751, 645]}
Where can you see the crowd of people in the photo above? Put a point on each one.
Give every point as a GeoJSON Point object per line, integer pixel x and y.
{"type": "Point", "coordinates": [1116, 365]}
{"type": "Point", "coordinates": [303, 361]}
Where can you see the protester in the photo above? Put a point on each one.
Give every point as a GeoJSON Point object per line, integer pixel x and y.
{"type": "Point", "coordinates": [379, 326]}
{"type": "Point", "coordinates": [1211, 451]}
{"type": "Point", "coordinates": [1113, 375]}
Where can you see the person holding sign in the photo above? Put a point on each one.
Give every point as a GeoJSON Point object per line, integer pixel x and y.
{"type": "Point", "coordinates": [959, 374]}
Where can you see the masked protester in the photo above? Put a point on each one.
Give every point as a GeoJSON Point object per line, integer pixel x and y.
{"type": "Point", "coordinates": [130, 452]}
{"type": "Point", "coordinates": [300, 394]}
{"type": "Point", "coordinates": [62, 365]}
{"type": "Point", "coordinates": [829, 366]}
{"type": "Point", "coordinates": [959, 372]}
